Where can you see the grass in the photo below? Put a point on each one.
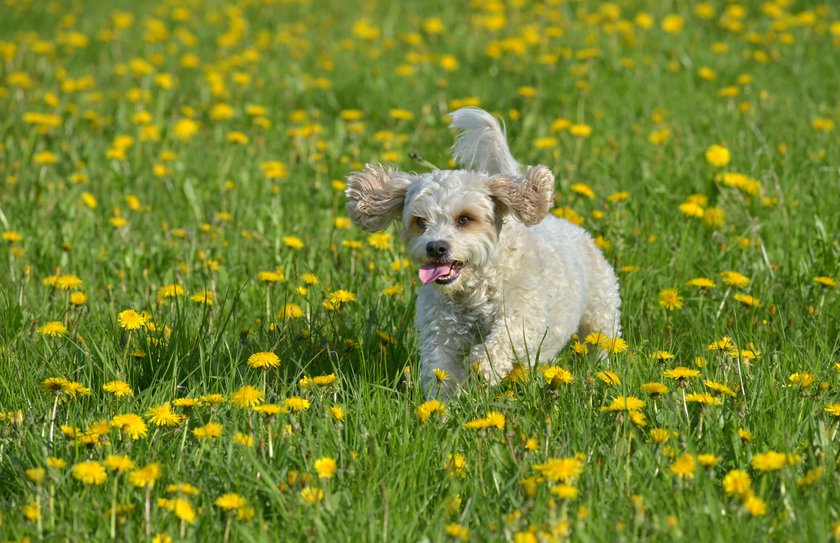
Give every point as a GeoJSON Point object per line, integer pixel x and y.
{"type": "Point", "coordinates": [242, 120]}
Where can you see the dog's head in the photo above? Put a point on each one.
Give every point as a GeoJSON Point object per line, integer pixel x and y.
{"type": "Point", "coordinates": [451, 218]}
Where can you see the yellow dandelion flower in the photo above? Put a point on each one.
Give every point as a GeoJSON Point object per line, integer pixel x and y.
{"type": "Point", "coordinates": [458, 531]}
{"type": "Point", "coordinates": [337, 412]}
{"type": "Point", "coordinates": [90, 473]}
{"type": "Point", "coordinates": [660, 435]}
{"type": "Point", "coordinates": [230, 501]}
{"type": "Point", "coordinates": [162, 415]}
{"type": "Point", "coordinates": [130, 424]}
{"type": "Point", "coordinates": [36, 475]}
{"type": "Point", "coordinates": [717, 156]}
{"type": "Point", "coordinates": [311, 495]}
{"type": "Point", "coordinates": [119, 389]}
{"type": "Point", "coordinates": [723, 344]}
{"type": "Point", "coordinates": [735, 279]}
{"type": "Point", "coordinates": [56, 463]}
{"type": "Point", "coordinates": [118, 463]}
{"type": "Point", "coordinates": [833, 409]}
{"type": "Point", "coordinates": [555, 376]}
{"type": "Point", "coordinates": [670, 299]}
{"type": "Point", "coordinates": [769, 461]}
{"type": "Point", "coordinates": [684, 466]}
{"type": "Point", "coordinates": [623, 403]}
{"type": "Point", "coordinates": [747, 300]}
{"type": "Point", "coordinates": [246, 397]}
{"type": "Point", "coordinates": [580, 130]}
{"type": "Point", "coordinates": [206, 297]}
{"type": "Point", "coordinates": [131, 320]}
{"type": "Point", "coordinates": [755, 505]}
{"type": "Point", "coordinates": [720, 388]}
{"type": "Point", "coordinates": [170, 291]}
{"type": "Point", "coordinates": [264, 360]}
{"type": "Point", "coordinates": [826, 281]}
{"type": "Point", "coordinates": [380, 240]}
{"type": "Point", "coordinates": [690, 209]}
{"type": "Point", "coordinates": [672, 23]}
{"type": "Point", "coordinates": [560, 469]}
{"type": "Point", "coordinates": [737, 482]}
{"type": "Point", "coordinates": [681, 373]}
{"type": "Point", "coordinates": [426, 409]}
{"type": "Point", "coordinates": [654, 389]}
{"type": "Point", "coordinates": [243, 439]}
{"type": "Point", "coordinates": [811, 477]}
{"type": "Point", "coordinates": [702, 283]}
{"type": "Point", "coordinates": [325, 467]}
{"type": "Point", "coordinates": [182, 488]}
{"type": "Point", "coordinates": [401, 114]}
{"type": "Point", "coordinates": [456, 465]}
{"type": "Point", "coordinates": [277, 276]}
{"type": "Point", "coordinates": [293, 241]}
{"type": "Point", "coordinates": [609, 377]}
{"type": "Point", "coordinates": [493, 419]}
{"type": "Point", "coordinates": [185, 129]}
{"type": "Point", "coordinates": [296, 403]}
{"type": "Point", "coordinates": [661, 355]}
{"type": "Point", "coordinates": [182, 508]}
{"type": "Point", "coordinates": [612, 344]}
{"type": "Point", "coordinates": [269, 409]}
{"type": "Point", "coordinates": [582, 189]}
{"type": "Point", "coordinates": [12, 237]}
{"type": "Point", "coordinates": [703, 398]}
{"type": "Point", "coordinates": [211, 430]}
{"type": "Point", "coordinates": [708, 460]}
{"type": "Point", "coordinates": [52, 329]}
{"type": "Point", "coordinates": [31, 511]}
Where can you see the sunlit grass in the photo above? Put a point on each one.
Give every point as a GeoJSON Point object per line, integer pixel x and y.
{"type": "Point", "coordinates": [195, 343]}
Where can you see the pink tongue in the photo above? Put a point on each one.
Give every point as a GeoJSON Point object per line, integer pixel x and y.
{"type": "Point", "coordinates": [430, 272]}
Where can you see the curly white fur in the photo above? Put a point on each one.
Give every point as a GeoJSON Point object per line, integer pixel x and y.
{"type": "Point", "coordinates": [506, 281]}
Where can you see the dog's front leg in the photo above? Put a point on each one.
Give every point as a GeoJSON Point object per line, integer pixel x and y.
{"type": "Point", "coordinates": [493, 357]}
{"type": "Point", "coordinates": [496, 356]}
{"type": "Point", "coordinates": [444, 352]}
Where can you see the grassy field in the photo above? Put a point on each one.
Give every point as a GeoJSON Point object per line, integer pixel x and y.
{"type": "Point", "coordinates": [195, 344]}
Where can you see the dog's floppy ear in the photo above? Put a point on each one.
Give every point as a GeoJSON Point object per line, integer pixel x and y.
{"type": "Point", "coordinates": [375, 196]}
{"type": "Point", "coordinates": [527, 197]}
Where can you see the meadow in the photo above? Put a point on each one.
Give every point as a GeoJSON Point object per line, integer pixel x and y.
{"type": "Point", "coordinates": [196, 344]}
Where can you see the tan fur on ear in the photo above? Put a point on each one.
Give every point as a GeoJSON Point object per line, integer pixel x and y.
{"type": "Point", "coordinates": [375, 196]}
{"type": "Point", "coordinates": [529, 197]}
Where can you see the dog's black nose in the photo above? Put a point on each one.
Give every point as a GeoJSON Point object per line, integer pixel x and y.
{"type": "Point", "coordinates": [437, 249]}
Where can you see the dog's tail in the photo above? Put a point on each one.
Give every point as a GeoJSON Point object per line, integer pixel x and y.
{"type": "Point", "coordinates": [481, 143]}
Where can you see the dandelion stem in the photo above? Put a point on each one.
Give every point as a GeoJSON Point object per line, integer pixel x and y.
{"type": "Point", "coordinates": [40, 522]}
{"type": "Point", "coordinates": [227, 526]}
{"type": "Point", "coordinates": [52, 419]}
{"type": "Point", "coordinates": [270, 443]}
{"type": "Point", "coordinates": [723, 302]}
{"type": "Point", "coordinates": [114, 509]}
{"type": "Point", "coordinates": [741, 383]}
{"type": "Point", "coordinates": [480, 466]}
{"type": "Point", "coordinates": [267, 305]}
{"type": "Point", "coordinates": [148, 510]}
{"type": "Point", "coordinates": [685, 408]}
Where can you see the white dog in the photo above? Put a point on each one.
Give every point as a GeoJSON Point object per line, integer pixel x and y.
{"type": "Point", "coordinates": [503, 281]}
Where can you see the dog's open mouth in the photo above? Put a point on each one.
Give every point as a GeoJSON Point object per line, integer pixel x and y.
{"type": "Point", "coordinates": [441, 273]}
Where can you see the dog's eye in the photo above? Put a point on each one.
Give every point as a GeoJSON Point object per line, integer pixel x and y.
{"type": "Point", "coordinates": [420, 222]}
{"type": "Point", "coordinates": [464, 220]}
